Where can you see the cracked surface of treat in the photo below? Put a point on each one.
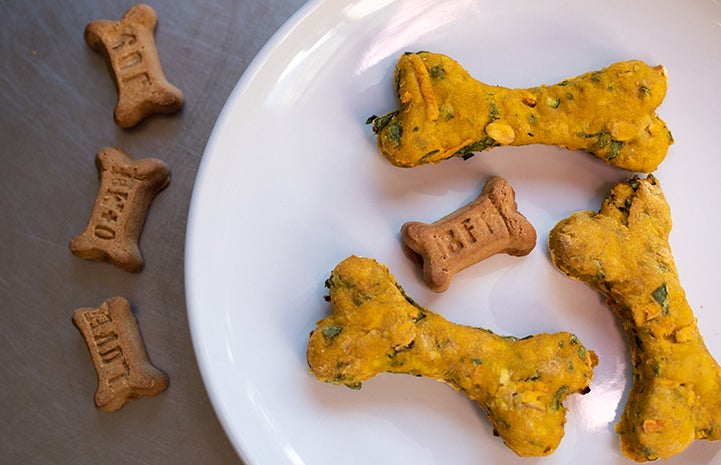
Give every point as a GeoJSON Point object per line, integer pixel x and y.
{"type": "Point", "coordinates": [445, 112]}
{"type": "Point", "coordinates": [489, 225]}
{"type": "Point", "coordinates": [623, 252]}
{"type": "Point", "coordinates": [521, 384]}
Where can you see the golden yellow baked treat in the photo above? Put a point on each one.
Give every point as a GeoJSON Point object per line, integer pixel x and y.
{"type": "Point", "coordinates": [623, 252]}
{"type": "Point", "coordinates": [445, 112]}
{"type": "Point", "coordinates": [521, 383]}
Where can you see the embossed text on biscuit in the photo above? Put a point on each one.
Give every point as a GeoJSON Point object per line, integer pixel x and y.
{"type": "Point", "coordinates": [127, 188]}
{"type": "Point", "coordinates": [489, 225]}
{"type": "Point", "coordinates": [118, 353]}
{"type": "Point", "coordinates": [129, 47]}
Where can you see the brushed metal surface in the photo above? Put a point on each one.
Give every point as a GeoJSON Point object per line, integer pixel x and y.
{"type": "Point", "coordinates": [56, 112]}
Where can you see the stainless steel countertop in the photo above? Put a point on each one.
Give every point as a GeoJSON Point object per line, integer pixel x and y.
{"type": "Point", "coordinates": [56, 112]}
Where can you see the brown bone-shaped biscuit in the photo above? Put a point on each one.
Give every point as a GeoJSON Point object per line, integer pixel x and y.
{"type": "Point", "coordinates": [489, 225]}
{"type": "Point", "coordinates": [127, 188]}
{"type": "Point", "coordinates": [129, 48]}
{"type": "Point", "coordinates": [118, 353]}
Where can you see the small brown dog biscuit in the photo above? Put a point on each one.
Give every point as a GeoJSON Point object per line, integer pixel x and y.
{"type": "Point", "coordinates": [128, 46]}
{"type": "Point", "coordinates": [127, 188]}
{"type": "Point", "coordinates": [489, 225]}
{"type": "Point", "coordinates": [118, 353]}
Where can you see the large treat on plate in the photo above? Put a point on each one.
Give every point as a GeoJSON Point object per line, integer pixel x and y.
{"type": "Point", "coordinates": [445, 112]}
{"type": "Point", "coordinates": [521, 383]}
{"type": "Point", "coordinates": [623, 252]}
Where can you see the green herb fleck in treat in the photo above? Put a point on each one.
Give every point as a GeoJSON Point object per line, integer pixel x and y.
{"type": "Point", "coordinates": [429, 154]}
{"type": "Point", "coordinates": [582, 352]}
{"type": "Point", "coordinates": [604, 139]}
{"type": "Point", "coordinates": [446, 111]}
{"type": "Point", "coordinates": [380, 122]}
{"type": "Point", "coordinates": [586, 135]}
{"type": "Point", "coordinates": [556, 401]}
{"type": "Point", "coordinates": [495, 114]}
{"type": "Point", "coordinates": [332, 331]}
{"type": "Point", "coordinates": [649, 453]}
{"type": "Point", "coordinates": [478, 146]}
{"type": "Point", "coordinates": [660, 295]}
{"type": "Point", "coordinates": [553, 102]}
{"type": "Point", "coordinates": [614, 149]}
{"type": "Point", "coordinates": [394, 132]}
{"type": "Point", "coordinates": [656, 368]}
{"type": "Point", "coordinates": [360, 298]}
{"type": "Point", "coordinates": [600, 274]}
{"type": "Point", "coordinates": [437, 72]}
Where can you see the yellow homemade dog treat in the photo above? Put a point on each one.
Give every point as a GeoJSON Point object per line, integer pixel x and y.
{"type": "Point", "coordinates": [623, 252]}
{"type": "Point", "coordinates": [489, 225]}
{"type": "Point", "coordinates": [124, 371]}
{"type": "Point", "coordinates": [128, 46]}
{"type": "Point", "coordinates": [127, 188]}
{"type": "Point", "coordinates": [444, 112]}
{"type": "Point", "coordinates": [520, 383]}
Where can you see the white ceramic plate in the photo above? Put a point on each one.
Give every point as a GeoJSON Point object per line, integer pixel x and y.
{"type": "Point", "coordinates": [291, 183]}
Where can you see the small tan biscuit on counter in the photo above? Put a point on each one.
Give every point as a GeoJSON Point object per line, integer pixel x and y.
{"type": "Point", "coordinates": [128, 46]}
{"type": "Point", "coordinates": [127, 188]}
{"type": "Point", "coordinates": [113, 338]}
{"type": "Point", "coordinates": [489, 225]}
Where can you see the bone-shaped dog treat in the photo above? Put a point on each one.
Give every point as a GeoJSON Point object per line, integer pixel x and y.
{"type": "Point", "coordinates": [623, 253]}
{"type": "Point", "coordinates": [128, 46]}
{"type": "Point", "coordinates": [445, 112]}
{"type": "Point", "coordinates": [521, 383]}
{"type": "Point", "coordinates": [118, 353]}
{"type": "Point", "coordinates": [127, 188]}
{"type": "Point", "coordinates": [489, 225]}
